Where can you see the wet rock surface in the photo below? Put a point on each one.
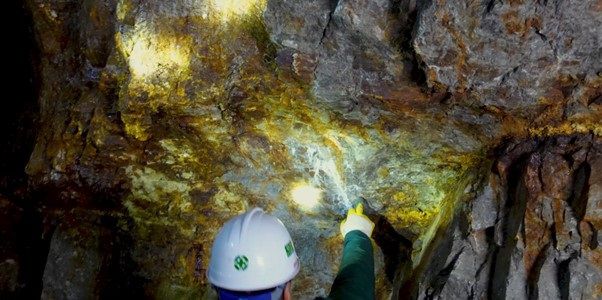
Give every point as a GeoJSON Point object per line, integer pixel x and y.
{"type": "Point", "coordinates": [159, 120]}
{"type": "Point", "coordinates": [535, 242]}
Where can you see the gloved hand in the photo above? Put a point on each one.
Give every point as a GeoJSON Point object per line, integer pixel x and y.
{"type": "Point", "coordinates": [356, 220]}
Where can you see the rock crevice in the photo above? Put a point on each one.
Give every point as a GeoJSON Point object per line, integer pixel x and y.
{"type": "Point", "coordinates": [469, 129]}
{"type": "Point", "coordinates": [533, 244]}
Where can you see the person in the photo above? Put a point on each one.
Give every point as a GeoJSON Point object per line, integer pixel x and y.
{"type": "Point", "coordinates": [253, 258]}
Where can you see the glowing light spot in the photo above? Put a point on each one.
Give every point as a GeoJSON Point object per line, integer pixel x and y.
{"type": "Point", "coordinates": [231, 8]}
{"type": "Point", "coordinates": [306, 196]}
{"type": "Point", "coordinates": [151, 55]}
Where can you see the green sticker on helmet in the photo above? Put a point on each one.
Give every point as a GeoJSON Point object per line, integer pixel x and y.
{"type": "Point", "coordinates": [289, 249]}
{"type": "Point", "coordinates": [241, 263]}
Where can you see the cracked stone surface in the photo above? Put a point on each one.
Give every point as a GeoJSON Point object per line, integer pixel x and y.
{"type": "Point", "coordinates": [537, 243]}
{"type": "Point", "coordinates": [456, 123]}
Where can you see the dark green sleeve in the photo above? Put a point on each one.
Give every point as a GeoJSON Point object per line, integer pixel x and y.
{"type": "Point", "coordinates": [355, 279]}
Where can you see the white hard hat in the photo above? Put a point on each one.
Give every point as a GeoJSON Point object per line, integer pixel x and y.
{"type": "Point", "coordinates": [253, 251]}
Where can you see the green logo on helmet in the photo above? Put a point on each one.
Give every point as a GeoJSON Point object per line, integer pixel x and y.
{"type": "Point", "coordinates": [289, 249]}
{"type": "Point", "coordinates": [241, 263]}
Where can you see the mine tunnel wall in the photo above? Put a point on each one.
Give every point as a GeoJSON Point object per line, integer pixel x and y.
{"type": "Point", "coordinates": [123, 160]}
{"type": "Point", "coordinates": [531, 232]}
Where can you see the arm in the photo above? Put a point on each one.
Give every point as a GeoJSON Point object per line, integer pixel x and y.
{"type": "Point", "coordinates": [355, 279]}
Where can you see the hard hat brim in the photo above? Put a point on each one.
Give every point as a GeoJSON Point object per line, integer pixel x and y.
{"type": "Point", "coordinates": [240, 287]}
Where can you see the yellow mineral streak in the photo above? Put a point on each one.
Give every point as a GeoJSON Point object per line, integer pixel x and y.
{"type": "Point", "coordinates": [278, 128]}
{"type": "Point", "coordinates": [569, 127]}
{"type": "Point", "coordinates": [235, 8]}
{"type": "Point", "coordinates": [152, 55]}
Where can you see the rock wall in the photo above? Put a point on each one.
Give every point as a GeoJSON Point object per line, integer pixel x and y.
{"type": "Point", "coordinates": [516, 55]}
{"type": "Point", "coordinates": [159, 120]}
{"type": "Point", "coordinates": [532, 232]}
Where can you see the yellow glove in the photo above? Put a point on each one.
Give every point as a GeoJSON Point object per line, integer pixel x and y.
{"type": "Point", "coordinates": [356, 220]}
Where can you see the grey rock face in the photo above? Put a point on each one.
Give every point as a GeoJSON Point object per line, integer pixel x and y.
{"type": "Point", "coordinates": [352, 46]}
{"type": "Point", "coordinates": [75, 262]}
{"type": "Point", "coordinates": [300, 32]}
{"type": "Point", "coordinates": [593, 209]}
{"type": "Point", "coordinates": [485, 208]}
{"type": "Point", "coordinates": [584, 279]}
{"type": "Point", "coordinates": [512, 52]}
{"type": "Point", "coordinates": [536, 241]}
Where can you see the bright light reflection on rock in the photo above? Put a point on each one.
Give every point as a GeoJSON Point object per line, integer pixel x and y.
{"type": "Point", "coordinates": [150, 54]}
{"type": "Point", "coordinates": [306, 196]}
{"type": "Point", "coordinates": [146, 60]}
{"type": "Point", "coordinates": [231, 8]}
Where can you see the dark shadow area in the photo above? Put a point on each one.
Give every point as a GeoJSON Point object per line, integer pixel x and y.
{"type": "Point", "coordinates": [564, 278]}
{"type": "Point", "coordinates": [19, 108]}
{"type": "Point", "coordinates": [396, 248]}
{"type": "Point", "coordinates": [433, 270]}
{"type": "Point", "coordinates": [515, 205]}
{"type": "Point", "coordinates": [407, 12]}
{"type": "Point", "coordinates": [578, 199]}
{"type": "Point", "coordinates": [118, 275]}
{"type": "Point", "coordinates": [534, 275]}
{"type": "Point", "coordinates": [31, 214]}
{"type": "Point", "coordinates": [19, 112]}
{"type": "Point", "coordinates": [33, 242]}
